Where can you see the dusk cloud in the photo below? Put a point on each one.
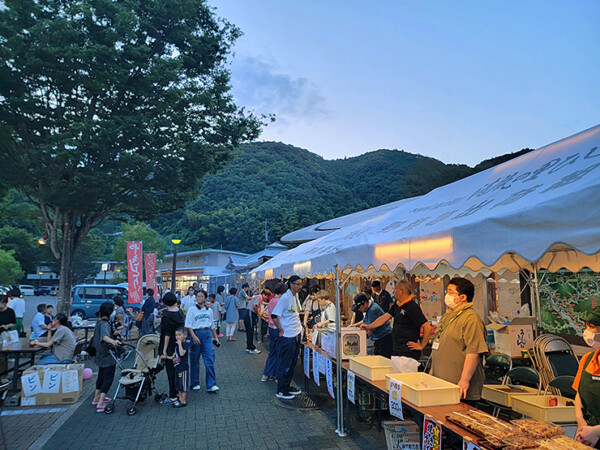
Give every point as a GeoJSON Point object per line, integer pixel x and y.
{"type": "Point", "coordinates": [258, 86]}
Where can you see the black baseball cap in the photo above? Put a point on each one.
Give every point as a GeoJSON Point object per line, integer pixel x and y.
{"type": "Point", "coordinates": [359, 299]}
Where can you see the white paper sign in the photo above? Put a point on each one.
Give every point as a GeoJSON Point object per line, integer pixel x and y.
{"type": "Point", "coordinates": [51, 382]}
{"type": "Point", "coordinates": [329, 375]}
{"type": "Point", "coordinates": [307, 362]}
{"type": "Point", "coordinates": [316, 367]}
{"type": "Point", "coordinates": [70, 381]}
{"type": "Point", "coordinates": [31, 384]}
{"type": "Point", "coordinates": [468, 445]}
{"type": "Point", "coordinates": [396, 399]}
{"type": "Point", "coordinates": [322, 363]}
{"type": "Point", "coordinates": [28, 401]}
{"type": "Point", "coordinates": [350, 386]}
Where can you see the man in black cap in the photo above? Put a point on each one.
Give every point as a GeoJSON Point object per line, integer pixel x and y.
{"type": "Point", "coordinates": [381, 296]}
{"type": "Point", "coordinates": [382, 335]}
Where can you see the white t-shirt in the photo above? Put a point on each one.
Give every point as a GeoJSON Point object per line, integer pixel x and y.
{"type": "Point", "coordinates": [18, 306]}
{"type": "Point", "coordinates": [328, 313]}
{"type": "Point", "coordinates": [199, 318]}
{"type": "Point", "coordinates": [187, 302]}
{"type": "Point", "coordinates": [287, 310]}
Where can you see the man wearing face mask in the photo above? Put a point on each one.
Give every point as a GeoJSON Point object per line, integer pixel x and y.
{"type": "Point", "coordinates": [587, 384]}
{"type": "Point", "coordinates": [459, 342]}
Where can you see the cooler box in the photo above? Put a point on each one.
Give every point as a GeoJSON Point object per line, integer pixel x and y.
{"type": "Point", "coordinates": [538, 407]}
{"type": "Point", "coordinates": [502, 394]}
{"type": "Point", "coordinates": [354, 342]}
{"type": "Point", "coordinates": [373, 368]}
{"type": "Point", "coordinates": [422, 389]}
{"type": "Point", "coordinates": [52, 384]}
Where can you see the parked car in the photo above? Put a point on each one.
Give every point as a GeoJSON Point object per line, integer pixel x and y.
{"type": "Point", "coordinates": [4, 290]}
{"type": "Point", "coordinates": [54, 290]}
{"type": "Point", "coordinates": [27, 289]}
{"type": "Point", "coordinates": [42, 290]}
{"type": "Point", "coordinates": [87, 298]}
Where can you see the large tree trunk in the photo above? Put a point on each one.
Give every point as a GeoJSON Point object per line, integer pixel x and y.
{"type": "Point", "coordinates": [69, 243]}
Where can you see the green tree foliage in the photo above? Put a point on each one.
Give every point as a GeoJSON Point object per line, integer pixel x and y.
{"type": "Point", "coordinates": [151, 241]}
{"type": "Point", "coordinates": [88, 257]}
{"type": "Point", "coordinates": [10, 270]}
{"type": "Point", "coordinates": [113, 108]}
{"type": "Point", "coordinates": [24, 246]}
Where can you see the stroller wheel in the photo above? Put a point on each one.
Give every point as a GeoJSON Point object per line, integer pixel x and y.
{"type": "Point", "coordinates": [131, 410]}
{"type": "Point", "coordinates": [108, 409]}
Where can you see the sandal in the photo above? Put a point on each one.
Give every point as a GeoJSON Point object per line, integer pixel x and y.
{"type": "Point", "coordinates": [100, 410]}
{"type": "Point", "coordinates": [106, 400]}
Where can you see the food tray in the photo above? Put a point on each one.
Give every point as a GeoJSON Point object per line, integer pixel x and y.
{"type": "Point", "coordinates": [422, 389]}
{"type": "Point", "coordinates": [501, 394]}
{"type": "Point", "coordinates": [536, 407]}
{"type": "Point", "coordinates": [374, 368]}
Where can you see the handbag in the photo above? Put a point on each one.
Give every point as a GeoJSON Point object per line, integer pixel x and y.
{"type": "Point", "coordinates": [139, 317]}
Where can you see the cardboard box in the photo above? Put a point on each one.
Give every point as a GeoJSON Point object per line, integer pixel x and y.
{"type": "Point", "coordinates": [515, 337]}
{"type": "Point", "coordinates": [53, 384]}
{"type": "Point", "coordinates": [354, 342]}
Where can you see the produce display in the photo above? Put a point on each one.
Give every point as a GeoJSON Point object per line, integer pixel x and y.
{"type": "Point", "coordinates": [517, 435]}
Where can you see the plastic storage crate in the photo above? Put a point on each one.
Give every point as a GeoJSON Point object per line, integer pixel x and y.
{"type": "Point", "coordinates": [374, 368]}
{"type": "Point", "coordinates": [422, 389]}
{"type": "Point", "coordinates": [537, 407]}
{"type": "Point", "coordinates": [501, 394]}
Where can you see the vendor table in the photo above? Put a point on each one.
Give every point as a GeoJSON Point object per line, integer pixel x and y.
{"type": "Point", "coordinates": [17, 348]}
{"type": "Point", "coordinates": [379, 391]}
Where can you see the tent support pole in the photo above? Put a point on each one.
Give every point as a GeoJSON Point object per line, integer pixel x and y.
{"type": "Point", "coordinates": [338, 356]}
{"type": "Point", "coordinates": [536, 285]}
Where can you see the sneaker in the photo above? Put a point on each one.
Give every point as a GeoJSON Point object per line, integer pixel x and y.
{"type": "Point", "coordinates": [215, 388]}
{"type": "Point", "coordinates": [254, 352]}
{"type": "Point", "coordinates": [178, 404]}
{"type": "Point", "coordinates": [295, 390]}
{"type": "Point", "coordinates": [285, 395]}
{"type": "Point", "coordinates": [264, 379]}
{"type": "Point", "coordinates": [272, 378]}
{"type": "Point", "coordinates": [167, 401]}
{"type": "Point", "coordinates": [196, 388]}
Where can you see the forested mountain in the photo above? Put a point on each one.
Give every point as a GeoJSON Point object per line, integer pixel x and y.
{"type": "Point", "coordinates": [292, 188]}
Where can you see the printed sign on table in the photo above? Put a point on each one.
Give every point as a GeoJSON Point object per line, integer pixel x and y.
{"type": "Point", "coordinates": [51, 382]}
{"type": "Point", "coordinates": [350, 386]}
{"type": "Point", "coordinates": [329, 375]}
{"type": "Point", "coordinates": [468, 445]}
{"type": "Point", "coordinates": [395, 402]}
{"type": "Point", "coordinates": [150, 264]}
{"type": "Point", "coordinates": [432, 434]}
{"type": "Point", "coordinates": [307, 362]}
{"type": "Point", "coordinates": [316, 367]}
{"type": "Point", "coordinates": [70, 381]}
{"type": "Point", "coordinates": [134, 271]}
{"type": "Point", "coordinates": [31, 384]}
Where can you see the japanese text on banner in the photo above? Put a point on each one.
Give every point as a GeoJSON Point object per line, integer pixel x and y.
{"type": "Point", "coordinates": [350, 386]}
{"type": "Point", "coordinates": [316, 367]}
{"type": "Point", "coordinates": [432, 434]}
{"type": "Point", "coordinates": [134, 270]}
{"type": "Point", "coordinates": [150, 264]}
{"type": "Point", "coordinates": [395, 402]}
{"type": "Point", "coordinates": [307, 362]}
{"type": "Point", "coordinates": [329, 375]}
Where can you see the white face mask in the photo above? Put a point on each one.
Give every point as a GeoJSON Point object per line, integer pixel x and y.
{"type": "Point", "coordinates": [592, 339]}
{"type": "Point", "coordinates": [449, 300]}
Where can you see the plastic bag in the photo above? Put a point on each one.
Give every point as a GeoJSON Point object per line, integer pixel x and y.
{"type": "Point", "coordinates": [402, 364]}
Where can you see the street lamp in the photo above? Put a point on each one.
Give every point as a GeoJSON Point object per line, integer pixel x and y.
{"type": "Point", "coordinates": [174, 271]}
{"type": "Point", "coordinates": [40, 279]}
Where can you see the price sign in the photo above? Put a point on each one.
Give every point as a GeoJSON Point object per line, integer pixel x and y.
{"type": "Point", "coordinates": [396, 399]}
{"type": "Point", "coordinates": [350, 386]}
{"type": "Point", "coordinates": [329, 375]}
{"type": "Point", "coordinates": [316, 367]}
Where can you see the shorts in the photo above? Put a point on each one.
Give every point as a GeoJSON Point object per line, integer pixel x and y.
{"type": "Point", "coordinates": [182, 380]}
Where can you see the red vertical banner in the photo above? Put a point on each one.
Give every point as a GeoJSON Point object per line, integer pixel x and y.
{"type": "Point", "coordinates": [150, 264]}
{"type": "Point", "coordinates": [432, 434]}
{"type": "Point", "coordinates": [134, 271]}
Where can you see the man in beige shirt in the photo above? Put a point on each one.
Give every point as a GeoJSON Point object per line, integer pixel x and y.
{"type": "Point", "coordinates": [459, 343]}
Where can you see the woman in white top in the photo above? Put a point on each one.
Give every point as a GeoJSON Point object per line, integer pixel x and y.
{"type": "Point", "coordinates": [328, 311]}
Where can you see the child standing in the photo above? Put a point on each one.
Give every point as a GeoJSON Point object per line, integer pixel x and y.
{"type": "Point", "coordinates": [181, 363]}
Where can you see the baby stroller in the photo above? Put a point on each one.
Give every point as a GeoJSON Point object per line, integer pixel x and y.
{"type": "Point", "coordinates": [139, 382]}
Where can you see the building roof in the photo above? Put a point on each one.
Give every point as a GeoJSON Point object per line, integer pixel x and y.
{"type": "Point", "coordinates": [206, 250]}
{"type": "Point", "coordinates": [254, 260]}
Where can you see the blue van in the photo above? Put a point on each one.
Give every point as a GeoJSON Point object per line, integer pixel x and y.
{"type": "Point", "coordinates": [87, 298]}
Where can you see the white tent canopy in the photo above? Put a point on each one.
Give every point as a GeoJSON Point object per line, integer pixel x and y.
{"type": "Point", "coordinates": [541, 210]}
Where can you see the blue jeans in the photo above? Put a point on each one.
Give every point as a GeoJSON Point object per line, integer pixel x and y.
{"type": "Point", "coordinates": [288, 350]}
{"type": "Point", "coordinates": [148, 325]}
{"type": "Point", "coordinates": [206, 349]}
{"type": "Point", "coordinates": [51, 359]}
{"type": "Point", "coordinates": [271, 364]}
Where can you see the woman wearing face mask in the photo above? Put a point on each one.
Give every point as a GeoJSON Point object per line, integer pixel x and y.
{"type": "Point", "coordinates": [587, 384]}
